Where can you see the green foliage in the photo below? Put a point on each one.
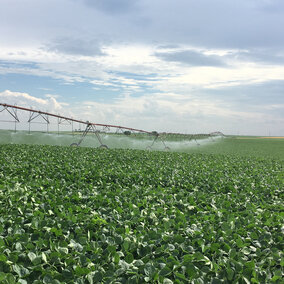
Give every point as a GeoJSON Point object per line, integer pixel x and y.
{"type": "Point", "coordinates": [78, 215]}
{"type": "Point", "coordinates": [127, 132]}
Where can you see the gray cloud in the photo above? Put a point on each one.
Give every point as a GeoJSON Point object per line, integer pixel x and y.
{"type": "Point", "coordinates": [240, 24]}
{"type": "Point", "coordinates": [112, 6]}
{"type": "Point", "coordinates": [219, 23]}
{"type": "Point", "coordinates": [75, 46]}
{"type": "Point", "coordinates": [263, 97]}
{"type": "Point", "coordinates": [275, 6]}
{"type": "Point", "coordinates": [266, 56]}
{"type": "Point", "coordinates": [192, 58]}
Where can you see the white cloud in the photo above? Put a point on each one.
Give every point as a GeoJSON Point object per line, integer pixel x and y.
{"type": "Point", "coordinates": [160, 111]}
{"type": "Point", "coordinates": [169, 112]}
{"type": "Point", "coordinates": [12, 97]}
{"type": "Point", "coordinates": [49, 104]}
{"type": "Point", "coordinates": [26, 100]}
{"type": "Point", "coordinates": [213, 77]}
{"type": "Point", "coordinates": [118, 62]}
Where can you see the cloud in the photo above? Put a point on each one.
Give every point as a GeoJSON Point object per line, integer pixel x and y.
{"type": "Point", "coordinates": [26, 100]}
{"type": "Point", "coordinates": [75, 46]}
{"type": "Point", "coordinates": [264, 98]}
{"type": "Point", "coordinates": [179, 113]}
{"type": "Point", "coordinates": [191, 58]}
{"type": "Point", "coordinates": [220, 23]}
{"type": "Point", "coordinates": [170, 112]}
{"type": "Point", "coordinates": [275, 6]}
{"type": "Point", "coordinates": [166, 59]}
{"type": "Point", "coordinates": [263, 56]}
{"type": "Point", "coordinates": [48, 104]}
{"type": "Point", "coordinates": [112, 6]}
{"type": "Point", "coordinates": [140, 67]}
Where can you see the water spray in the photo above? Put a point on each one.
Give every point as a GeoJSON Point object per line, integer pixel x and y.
{"type": "Point", "coordinates": [98, 129]}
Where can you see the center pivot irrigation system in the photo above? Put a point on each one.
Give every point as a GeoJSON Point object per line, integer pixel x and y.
{"type": "Point", "coordinates": [95, 128]}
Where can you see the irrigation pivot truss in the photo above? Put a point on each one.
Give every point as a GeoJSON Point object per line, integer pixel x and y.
{"type": "Point", "coordinates": [95, 128]}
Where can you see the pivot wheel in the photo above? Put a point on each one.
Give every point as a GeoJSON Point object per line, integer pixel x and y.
{"type": "Point", "coordinates": [103, 146]}
{"type": "Point", "coordinates": [74, 145]}
{"type": "Point", "coordinates": [167, 148]}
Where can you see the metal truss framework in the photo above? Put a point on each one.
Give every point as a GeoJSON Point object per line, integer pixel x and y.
{"type": "Point", "coordinates": [92, 127]}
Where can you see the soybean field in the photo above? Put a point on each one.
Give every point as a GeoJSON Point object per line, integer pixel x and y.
{"type": "Point", "coordinates": [213, 214]}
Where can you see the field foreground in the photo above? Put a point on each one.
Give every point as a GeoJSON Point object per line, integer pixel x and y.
{"type": "Point", "coordinates": [81, 215]}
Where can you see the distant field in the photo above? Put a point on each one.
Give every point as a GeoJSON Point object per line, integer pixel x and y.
{"type": "Point", "coordinates": [276, 137]}
{"type": "Point", "coordinates": [255, 137]}
{"type": "Point", "coordinates": [246, 147]}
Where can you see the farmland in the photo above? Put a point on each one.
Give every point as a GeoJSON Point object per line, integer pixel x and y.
{"type": "Point", "coordinates": [246, 147]}
{"type": "Point", "coordinates": [87, 215]}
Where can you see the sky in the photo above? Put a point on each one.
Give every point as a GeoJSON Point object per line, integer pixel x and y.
{"type": "Point", "coordinates": [178, 66]}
